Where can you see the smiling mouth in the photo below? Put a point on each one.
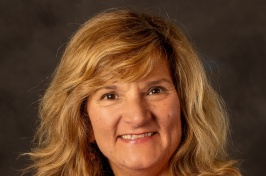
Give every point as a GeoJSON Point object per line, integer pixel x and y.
{"type": "Point", "coordinates": [137, 136]}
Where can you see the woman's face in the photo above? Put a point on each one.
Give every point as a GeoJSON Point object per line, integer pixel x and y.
{"type": "Point", "coordinates": [137, 125]}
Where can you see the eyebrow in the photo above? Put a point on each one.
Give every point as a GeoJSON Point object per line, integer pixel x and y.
{"type": "Point", "coordinates": [111, 87]}
{"type": "Point", "coordinates": [152, 83]}
{"type": "Point", "coordinates": [149, 84]}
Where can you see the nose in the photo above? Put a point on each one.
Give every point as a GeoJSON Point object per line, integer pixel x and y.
{"type": "Point", "coordinates": [136, 112]}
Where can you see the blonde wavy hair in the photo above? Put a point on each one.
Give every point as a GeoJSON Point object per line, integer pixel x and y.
{"type": "Point", "coordinates": [119, 44]}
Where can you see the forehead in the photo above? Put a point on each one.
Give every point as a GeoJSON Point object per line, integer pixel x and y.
{"type": "Point", "coordinates": [160, 74]}
{"type": "Point", "coordinates": [131, 68]}
{"type": "Point", "coordinates": [159, 69]}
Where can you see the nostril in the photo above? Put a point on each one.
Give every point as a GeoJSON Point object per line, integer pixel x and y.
{"type": "Point", "coordinates": [137, 120]}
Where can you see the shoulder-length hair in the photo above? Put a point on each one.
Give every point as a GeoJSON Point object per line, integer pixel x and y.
{"type": "Point", "coordinates": [120, 44]}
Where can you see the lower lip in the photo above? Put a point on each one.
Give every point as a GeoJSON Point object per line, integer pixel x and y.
{"type": "Point", "coordinates": [138, 140]}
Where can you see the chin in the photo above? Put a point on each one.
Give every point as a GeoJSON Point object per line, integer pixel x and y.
{"type": "Point", "coordinates": [139, 164]}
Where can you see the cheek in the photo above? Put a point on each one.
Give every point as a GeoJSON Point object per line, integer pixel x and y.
{"type": "Point", "coordinates": [169, 118]}
{"type": "Point", "coordinates": [97, 118]}
{"type": "Point", "coordinates": [172, 123]}
{"type": "Point", "coordinates": [103, 121]}
{"type": "Point", "coordinates": [173, 128]}
{"type": "Point", "coordinates": [169, 112]}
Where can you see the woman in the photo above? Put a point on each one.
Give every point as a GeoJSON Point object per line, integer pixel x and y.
{"type": "Point", "coordinates": [130, 97]}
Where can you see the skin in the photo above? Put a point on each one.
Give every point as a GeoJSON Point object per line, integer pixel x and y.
{"type": "Point", "coordinates": [150, 105]}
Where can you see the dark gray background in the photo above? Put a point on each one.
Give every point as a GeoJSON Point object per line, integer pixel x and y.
{"type": "Point", "coordinates": [229, 35]}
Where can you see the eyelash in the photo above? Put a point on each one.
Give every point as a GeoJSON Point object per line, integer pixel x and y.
{"type": "Point", "coordinates": [105, 96]}
{"type": "Point", "coordinates": [114, 95]}
{"type": "Point", "coordinates": [161, 90]}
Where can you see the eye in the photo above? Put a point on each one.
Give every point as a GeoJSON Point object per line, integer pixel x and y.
{"type": "Point", "coordinates": [156, 90]}
{"type": "Point", "coordinates": [109, 96]}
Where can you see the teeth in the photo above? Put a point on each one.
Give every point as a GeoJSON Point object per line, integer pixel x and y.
{"type": "Point", "coordinates": [134, 136]}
